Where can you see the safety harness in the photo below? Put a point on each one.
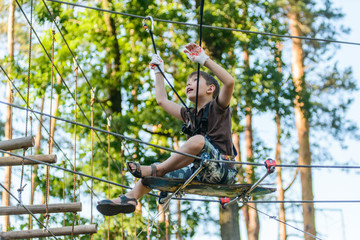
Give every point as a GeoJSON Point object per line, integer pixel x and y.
{"type": "Point", "coordinates": [201, 127]}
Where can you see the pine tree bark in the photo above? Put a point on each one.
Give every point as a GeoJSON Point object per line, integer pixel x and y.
{"type": "Point", "coordinates": [114, 67]}
{"type": "Point", "coordinates": [9, 99]}
{"type": "Point", "coordinates": [229, 217]}
{"type": "Point", "coordinates": [302, 124]}
{"type": "Point", "coordinates": [279, 180]}
{"type": "Point", "coordinates": [251, 216]}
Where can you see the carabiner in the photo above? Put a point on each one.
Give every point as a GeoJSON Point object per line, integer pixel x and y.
{"type": "Point", "coordinates": [152, 23]}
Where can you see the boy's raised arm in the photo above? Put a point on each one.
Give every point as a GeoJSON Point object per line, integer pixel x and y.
{"type": "Point", "coordinates": [227, 89]}
{"type": "Point", "coordinates": [160, 91]}
{"type": "Point", "coordinates": [197, 54]}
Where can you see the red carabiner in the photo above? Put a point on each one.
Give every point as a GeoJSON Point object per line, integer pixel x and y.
{"type": "Point", "coordinates": [270, 165]}
{"type": "Point", "coordinates": [223, 201]}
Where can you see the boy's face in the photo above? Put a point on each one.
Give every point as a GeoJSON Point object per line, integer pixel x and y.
{"type": "Point", "coordinates": [204, 89]}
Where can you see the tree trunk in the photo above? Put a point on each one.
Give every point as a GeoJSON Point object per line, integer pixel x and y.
{"type": "Point", "coordinates": [279, 181]}
{"type": "Point", "coordinates": [229, 222]}
{"type": "Point", "coordinates": [8, 123]}
{"type": "Point", "coordinates": [251, 216]}
{"type": "Point", "coordinates": [302, 125]}
{"type": "Point", "coordinates": [113, 68]}
{"type": "Point", "coordinates": [229, 217]}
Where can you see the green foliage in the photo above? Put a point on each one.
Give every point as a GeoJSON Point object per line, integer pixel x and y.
{"type": "Point", "coordinates": [113, 53]}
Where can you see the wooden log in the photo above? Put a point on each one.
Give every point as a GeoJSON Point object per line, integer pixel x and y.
{"type": "Point", "coordinates": [17, 143]}
{"type": "Point", "coordinates": [16, 161]}
{"type": "Point", "coordinates": [38, 233]}
{"type": "Point", "coordinates": [52, 208]}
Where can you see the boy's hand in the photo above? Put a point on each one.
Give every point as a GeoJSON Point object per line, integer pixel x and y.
{"type": "Point", "coordinates": [156, 61]}
{"type": "Point", "coordinates": [195, 53]}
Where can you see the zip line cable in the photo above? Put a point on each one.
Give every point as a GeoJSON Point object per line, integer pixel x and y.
{"type": "Point", "coordinates": [28, 210]}
{"type": "Point", "coordinates": [209, 26]}
{"type": "Point", "coordinates": [174, 151]}
{"type": "Point", "coordinates": [276, 219]}
{"type": "Point", "coordinates": [184, 199]}
{"type": "Point", "coordinates": [62, 79]}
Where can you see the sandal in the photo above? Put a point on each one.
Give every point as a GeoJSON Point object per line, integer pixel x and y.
{"type": "Point", "coordinates": [137, 172]}
{"type": "Point", "coordinates": [109, 208]}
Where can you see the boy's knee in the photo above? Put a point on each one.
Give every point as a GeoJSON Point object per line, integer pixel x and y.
{"type": "Point", "coordinates": [197, 141]}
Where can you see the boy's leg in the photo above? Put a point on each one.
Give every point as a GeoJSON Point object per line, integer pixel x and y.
{"type": "Point", "coordinates": [192, 146]}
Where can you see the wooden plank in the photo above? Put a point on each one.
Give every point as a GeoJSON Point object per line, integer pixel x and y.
{"type": "Point", "coordinates": [201, 188]}
{"type": "Point", "coordinates": [17, 143]}
{"type": "Point", "coordinates": [16, 161]}
{"type": "Point", "coordinates": [52, 208]}
{"type": "Point", "coordinates": [38, 233]}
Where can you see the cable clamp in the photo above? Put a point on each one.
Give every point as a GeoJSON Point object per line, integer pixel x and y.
{"type": "Point", "coordinates": [152, 23]}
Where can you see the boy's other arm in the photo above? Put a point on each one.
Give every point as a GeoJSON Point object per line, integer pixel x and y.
{"type": "Point", "coordinates": [162, 98]}
{"type": "Point", "coordinates": [227, 89]}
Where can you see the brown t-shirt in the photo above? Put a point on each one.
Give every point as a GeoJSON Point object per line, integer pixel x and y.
{"type": "Point", "coordinates": [219, 125]}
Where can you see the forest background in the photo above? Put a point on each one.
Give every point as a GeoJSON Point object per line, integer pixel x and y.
{"type": "Point", "coordinates": [114, 52]}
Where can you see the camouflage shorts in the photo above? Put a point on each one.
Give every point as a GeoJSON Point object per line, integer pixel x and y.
{"type": "Point", "coordinates": [214, 173]}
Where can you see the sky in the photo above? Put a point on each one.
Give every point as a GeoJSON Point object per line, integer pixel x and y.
{"type": "Point", "coordinates": [333, 221]}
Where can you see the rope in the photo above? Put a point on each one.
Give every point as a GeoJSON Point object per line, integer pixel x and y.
{"type": "Point", "coordinates": [162, 73]}
{"type": "Point", "coordinates": [28, 210]}
{"type": "Point", "coordinates": [209, 26]}
{"type": "Point", "coordinates": [174, 151]}
{"type": "Point", "coordinates": [21, 188]}
{"type": "Point", "coordinates": [92, 157]}
{"type": "Point", "coordinates": [62, 79]}
{"type": "Point", "coordinates": [87, 81]}
{"type": "Point", "coordinates": [276, 219]}
{"type": "Point", "coordinates": [75, 141]}
{"type": "Point", "coordinates": [198, 69]}
{"type": "Point", "coordinates": [47, 189]}
{"type": "Point", "coordinates": [109, 172]}
{"type": "Point", "coordinates": [42, 125]}
{"type": "Point", "coordinates": [185, 199]}
{"type": "Point", "coordinates": [64, 169]}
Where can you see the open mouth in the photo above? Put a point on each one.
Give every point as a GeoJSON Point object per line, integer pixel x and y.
{"type": "Point", "coordinates": [189, 90]}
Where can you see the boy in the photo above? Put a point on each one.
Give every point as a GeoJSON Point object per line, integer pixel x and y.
{"type": "Point", "coordinates": [215, 139]}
